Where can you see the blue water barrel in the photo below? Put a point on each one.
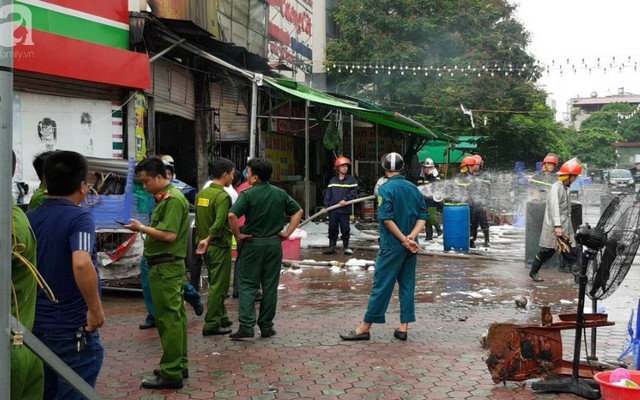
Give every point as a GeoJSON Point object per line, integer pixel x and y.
{"type": "Point", "coordinates": [455, 225]}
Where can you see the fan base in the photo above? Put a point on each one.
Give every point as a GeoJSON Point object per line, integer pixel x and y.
{"type": "Point", "coordinates": [586, 388]}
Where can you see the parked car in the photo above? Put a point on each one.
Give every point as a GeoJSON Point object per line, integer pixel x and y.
{"type": "Point", "coordinates": [620, 180]}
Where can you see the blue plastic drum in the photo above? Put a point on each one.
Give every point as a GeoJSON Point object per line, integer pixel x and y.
{"type": "Point", "coordinates": [456, 227]}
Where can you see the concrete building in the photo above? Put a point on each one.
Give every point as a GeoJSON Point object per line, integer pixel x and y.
{"type": "Point", "coordinates": [580, 109]}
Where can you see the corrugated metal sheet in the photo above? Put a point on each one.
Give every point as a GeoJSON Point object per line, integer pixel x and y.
{"type": "Point", "coordinates": [58, 86]}
{"type": "Point", "coordinates": [173, 89]}
{"type": "Point", "coordinates": [231, 98]}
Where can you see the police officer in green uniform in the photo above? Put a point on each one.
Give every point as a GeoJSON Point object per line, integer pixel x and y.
{"type": "Point", "coordinates": [260, 257]}
{"type": "Point", "coordinates": [214, 243]}
{"type": "Point", "coordinates": [165, 247]}
{"type": "Point", "coordinates": [402, 213]}
{"type": "Point", "coordinates": [41, 192]}
{"type": "Point", "coordinates": [27, 375]}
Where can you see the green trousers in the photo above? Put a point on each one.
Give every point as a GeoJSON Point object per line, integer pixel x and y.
{"type": "Point", "coordinates": [27, 375]}
{"type": "Point", "coordinates": [166, 282]}
{"type": "Point", "coordinates": [259, 265]}
{"type": "Point", "coordinates": [218, 262]}
{"type": "Point", "coordinates": [432, 216]}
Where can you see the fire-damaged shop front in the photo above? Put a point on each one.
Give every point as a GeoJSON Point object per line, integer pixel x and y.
{"type": "Point", "coordinates": [303, 131]}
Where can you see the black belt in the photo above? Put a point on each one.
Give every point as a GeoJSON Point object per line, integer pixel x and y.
{"type": "Point", "coordinates": [151, 261]}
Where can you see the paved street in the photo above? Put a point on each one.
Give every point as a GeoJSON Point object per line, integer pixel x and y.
{"type": "Point", "coordinates": [457, 298]}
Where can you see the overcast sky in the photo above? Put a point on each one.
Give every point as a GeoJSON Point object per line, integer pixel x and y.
{"type": "Point", "coordinates": [583, 29]}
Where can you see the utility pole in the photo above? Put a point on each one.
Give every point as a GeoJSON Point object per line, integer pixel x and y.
{"type": "Point", "coordinates": [6, 201]}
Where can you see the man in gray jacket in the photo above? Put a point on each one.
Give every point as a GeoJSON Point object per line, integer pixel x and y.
{"type": "Point", "coordinates": [557, 231]}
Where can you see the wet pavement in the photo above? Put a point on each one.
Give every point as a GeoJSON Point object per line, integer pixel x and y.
{"type": "Point", "coordinates": [457, 298]}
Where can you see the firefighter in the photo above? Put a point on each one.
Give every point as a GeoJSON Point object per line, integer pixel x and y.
{"type": "Point", "coordinates": [477, 187]}
{"type": "Point", "coordinates": [557, 230]}
{"type": "Point", "coordinates": [425, 184]}
{"type": "Point", "coordinates": [342, 188]}
{"type": "Point", "coordinates": [542, 181]}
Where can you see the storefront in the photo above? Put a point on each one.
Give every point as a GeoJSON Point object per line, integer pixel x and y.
{"type": "Point", "coordinates": [65, 95]}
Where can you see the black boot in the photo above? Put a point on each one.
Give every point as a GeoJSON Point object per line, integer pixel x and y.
{"type": "Point", "coordinates": [345, 247]}
{"type": "Point", "coordinates": [332, 247]}
{"type": "Point", "coordinates": [438, 230]}
{"type": "Point", "coordinates": [429, 232]}
{"type": "Point", "coordinates": [486, 237]}
{"type": "Point", "coordinates": [535, 267]}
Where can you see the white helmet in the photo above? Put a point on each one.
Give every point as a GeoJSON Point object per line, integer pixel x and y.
{"type": "Point", "coordinates": [428, 163]}
{"type": "Point", "coordinates": [167, 159]}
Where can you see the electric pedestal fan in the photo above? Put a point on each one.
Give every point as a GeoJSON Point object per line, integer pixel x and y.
{"type": "Point", "coordinates": [610, 248]}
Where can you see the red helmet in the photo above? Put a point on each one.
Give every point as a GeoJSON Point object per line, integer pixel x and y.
{"type": "Point", "coordinates": [571, 167]}
{"type": "Point", "coordinates": [341, 161]}
{"type": "Point", "coordinates": [468, 161]}
{"type": "Point", "coordinates": [551, 158]}
{"type": "Point", "coordinates": [478, 158]}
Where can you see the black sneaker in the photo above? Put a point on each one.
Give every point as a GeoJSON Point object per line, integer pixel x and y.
{"type": "Point", "coordinates": [268, 334]}
{"type": "Point", "coordinates": [239, 335]}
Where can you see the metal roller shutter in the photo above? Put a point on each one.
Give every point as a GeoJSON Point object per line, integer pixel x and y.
{"type": "Point", "coordinates": [231, 97]}
{"type": "Point", "coordinates": [57, 86]}
{"type": "Point", "coordinates": [173, 89]}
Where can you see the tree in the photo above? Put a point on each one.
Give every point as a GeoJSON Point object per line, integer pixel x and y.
{"type": "Point", "coordinates": [479, 50]}
{"type": "Point", "coordinates": [593, 146]}
{"type": "Point", "coordinates": [622, 118]}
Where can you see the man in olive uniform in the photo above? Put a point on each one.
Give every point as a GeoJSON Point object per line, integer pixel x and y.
{"type": "Point", "coordinates": [41, 192]}
{"type": "Point", "coordinates": [27, 375]}
{"type": "Point", "coordinates": [402, 213]}
{"type": "Point", "coordinates": [425, 184]}
{"type": "Point", "coordinates": [261, 254]}
{"type": "Point", "coordinates": [214, 243]}
{"type": "Point", "coordinates": [165, 248]}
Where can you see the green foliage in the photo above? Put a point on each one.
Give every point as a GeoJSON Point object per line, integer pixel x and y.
{"type": "Point", "coordinates": [507, 107]}
{"type": "Point", "coordinates": [593, 146]}
{"type": "Point", "coordinates": [618, 117]}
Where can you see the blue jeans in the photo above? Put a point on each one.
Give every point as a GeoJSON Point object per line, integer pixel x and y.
{"type": "Point", "coordinates": [191, 295]}
{"type": "Point", "coordinates": [86, 363]}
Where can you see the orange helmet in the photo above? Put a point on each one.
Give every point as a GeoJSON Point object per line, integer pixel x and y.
{"type": "Point", "coordinates": [551, 158]}
{"type": "Point", "coordinates": [468, 161]}
{"type": "Point", "coordinates": [341, 161]}
{"type": "Point", "coordinates": [571, 167]}
{"type": "Point", "coordinates": [478, 158]}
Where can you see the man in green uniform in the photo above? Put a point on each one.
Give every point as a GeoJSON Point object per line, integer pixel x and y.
{"type": "Point", "coordinates": [27, 375]}
{"type": "Point", "coordinates": [260, 257]}
{"type": "Point", "coordinates": [165, 248]}
{"type": "Point", "coordinates": [41, 192]}
{"type": "Point", "coordinates": [214, 243]}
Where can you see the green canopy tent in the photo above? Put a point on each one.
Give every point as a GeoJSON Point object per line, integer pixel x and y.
{"type": "Point", "coordinates": [443, 152]}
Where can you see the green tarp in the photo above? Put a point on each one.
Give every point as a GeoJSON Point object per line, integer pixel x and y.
{"type": "Point", "coordinates": [437, 150]}
{"type": "Point", "coordinates": [382, 117]}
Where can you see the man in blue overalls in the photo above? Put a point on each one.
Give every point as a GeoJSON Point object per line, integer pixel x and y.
{"type": "Point", "coordinates": [402, 213]}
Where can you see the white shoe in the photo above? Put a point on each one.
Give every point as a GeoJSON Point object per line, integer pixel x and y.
{"type": "Point", "coordinates": [348, 251]}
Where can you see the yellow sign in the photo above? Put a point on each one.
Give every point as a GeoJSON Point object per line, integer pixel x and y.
{"type": "Point", "coordinates": [279, 150]}
{"type": "Point", "coordinates": [141, 115]}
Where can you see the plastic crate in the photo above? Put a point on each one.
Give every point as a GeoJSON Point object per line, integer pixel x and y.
{"type": "Point", "coordinates": [108, 208]}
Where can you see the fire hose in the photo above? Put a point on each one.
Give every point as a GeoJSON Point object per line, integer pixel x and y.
{"type": "Point", "coordinates": [326, 210]}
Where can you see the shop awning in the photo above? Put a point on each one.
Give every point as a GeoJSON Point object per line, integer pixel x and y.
{"type": "Point", "coordinates": [377, 116]}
